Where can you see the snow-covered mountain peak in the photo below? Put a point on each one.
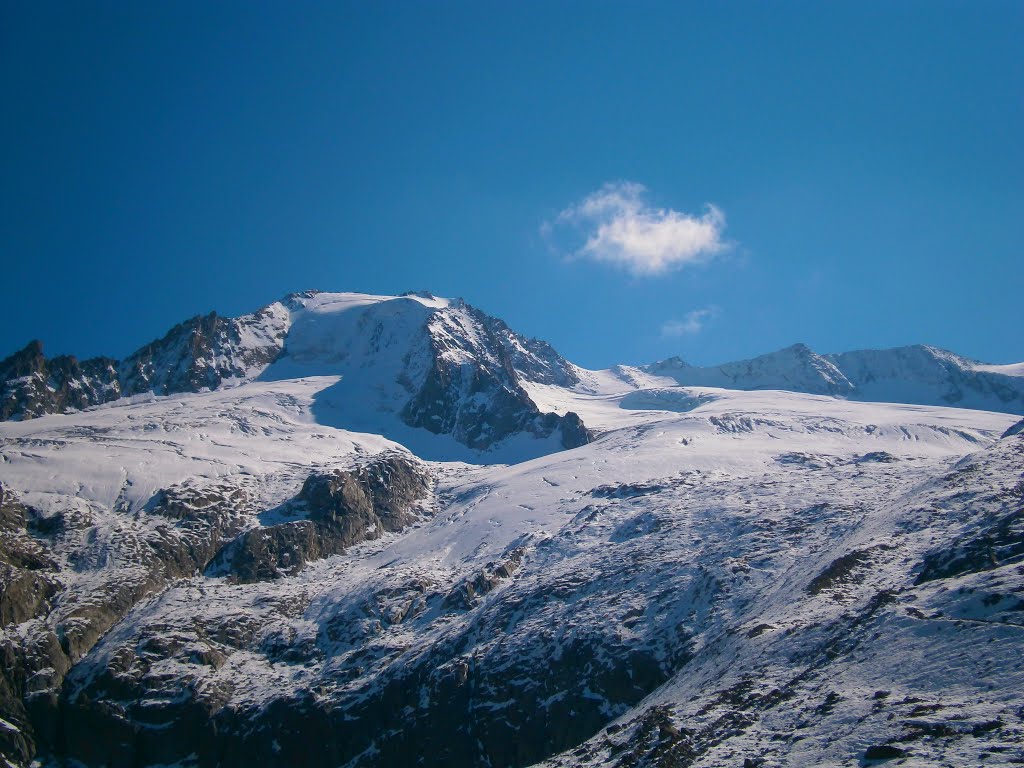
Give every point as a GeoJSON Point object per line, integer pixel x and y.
{"type": "Point", "coordinates": [415, 360]}
{"type": "Point", "coordinates": [426, 362]}
{"type": "Point", "coordinates": [914, 374]}
{"type": "Point", "coordinates": [328, 329]}
{"type": "Point", "coordinates": [796, 368]}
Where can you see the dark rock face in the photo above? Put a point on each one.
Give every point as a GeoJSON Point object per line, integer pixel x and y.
{"type": "Point", "coordinates": [474, 392]}
{"type": "Point", "coordinates": [466, 595]}
{"type": "Point", "coordinates": [200, 353]}
{"type": "Point", "coordinates": [574, 432]}
{"type": "Point", "coordinates": [1016, 429]}
{"type": "Point", "coordinates": [840, 571]}
{"type": "Point", "coordinates": [992, 544]}
{"type": "Point", "coordinates": [50, 641]}
{"type": "Point", "coordinates": [482, 696]}
{"type": "Point", "coordinates": [26, 570]}
{"type": "Point", "coordinates": [28, 585]}
{"type": "Point", "coordinates": [987, 542]}
{"type": "Point", "coordinates": [31, 385]}
{"type": "Point", "coordinates": [533, 359]}
{"type": "Point", "coordinates": [474, 406]}
{"type": "Point", "coordinates": [883, 752]}
{"type": "Point", "coordinates": [473, 389]}
{"type": "Point", "coordinates": [344, 508]}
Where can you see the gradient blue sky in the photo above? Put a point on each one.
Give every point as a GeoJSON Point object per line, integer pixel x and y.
{"type": "Point", "coordinates": [160, 160]}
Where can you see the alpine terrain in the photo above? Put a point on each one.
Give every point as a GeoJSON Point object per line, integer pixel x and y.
{"type": "Point", "coordinates": [353, 530]}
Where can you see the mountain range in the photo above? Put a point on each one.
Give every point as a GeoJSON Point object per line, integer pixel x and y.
{"type": "Point", "coordinates": [353, 530]}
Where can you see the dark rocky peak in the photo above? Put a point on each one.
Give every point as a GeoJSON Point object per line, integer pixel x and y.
{"type": "Point", "coordinates": [24, 362]}
{"type": "Point", "coordinates": [473, 388]}
{"type": "Point", "coordinates": [32, 385]}
{"type": "Point", "coordinates": [444, 367]}
{"type": "Point", "coordinates": [203, 352]}
{"type": "Point", "coordinates": [531, 359]}
{"type": "Point", "coordinates": [200, 353]}
{"type": "Point", "coordinates": [450, 368]}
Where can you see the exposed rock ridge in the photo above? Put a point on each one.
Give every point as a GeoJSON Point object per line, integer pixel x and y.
{"type": "Point", "coordinates": [205, 352]}
{"type": "Point", "coordinates": [31, 385]}
{"type": "Point", "coordinates": [473, 388]}
{"type": "Point", "coordinates": [343, 508]}
{"type": "Point", "coordinates": [201, 353]}
{"type": "Point", "coordinates": [461, 371]}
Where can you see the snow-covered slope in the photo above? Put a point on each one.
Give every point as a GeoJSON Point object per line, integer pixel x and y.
{"type": "Point", "coordinates": [917, 374]}
{"type": "Point", "coordinates": [321, 562]}
{"type": "Point", "coordinates": [414, 366]}
{"type": "Point", "coordinates": [581, 582]}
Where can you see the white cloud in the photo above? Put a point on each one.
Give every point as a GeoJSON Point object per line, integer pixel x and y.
{"type": "Point", "coordinates": [693, 323]}
{"type": "Point", "coordinates": [618, 227]}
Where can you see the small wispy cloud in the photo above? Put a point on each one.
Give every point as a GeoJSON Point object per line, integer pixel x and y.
{"type": "Point", "coordinates": [691, 324]}
{"type": "Point", "coordinates": [617, 226]}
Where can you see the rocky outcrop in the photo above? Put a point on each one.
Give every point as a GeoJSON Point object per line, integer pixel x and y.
{"type": "Point", "coordinates": [206, 351]}
{"type": "Point", "coordinates": [532, 359]}
{"type": "Point", "coordinates": [457, 371]}
{"type": "Point", "coordinates": [201, 353]}
{"type": "Point", "coordinates": [480, 695]}
{"type": "Point", "coordinates": [474, 391]}
{"type": "Point", "coordinates": [343, 508]}
{"type": "Point", "coordinates": [31, 385]}
{"type": "Point", "coordinates": [28, 584]}
{"type": "Point", "coordinates": [467, 593]}
{"type": "Point", "coordinates": [473, 405]}
{"type": "Point", "coordinates": [47, 627]}
{"type": "Point", "coordinates": [1016, 429]}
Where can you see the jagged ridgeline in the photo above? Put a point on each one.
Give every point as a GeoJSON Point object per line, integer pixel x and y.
{"type": "Point", "coordinates": [450, 368]}
{"type": "Point", "coordinates": [462, 371]}
{"type": "Point", "coordinates": [366, 531]}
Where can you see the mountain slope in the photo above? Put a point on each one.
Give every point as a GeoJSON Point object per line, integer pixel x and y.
{"type": "Point", "coordinates": [296, 565]}
{"type": "Point", "coordinates": [580, 582]}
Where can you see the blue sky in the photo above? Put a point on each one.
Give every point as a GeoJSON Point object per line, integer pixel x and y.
{"type": "Point", "coordinates": [627, 180]}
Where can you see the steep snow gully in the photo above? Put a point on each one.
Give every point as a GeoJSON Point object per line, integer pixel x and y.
{"type": "Point", "coordinates": [352, 530]}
